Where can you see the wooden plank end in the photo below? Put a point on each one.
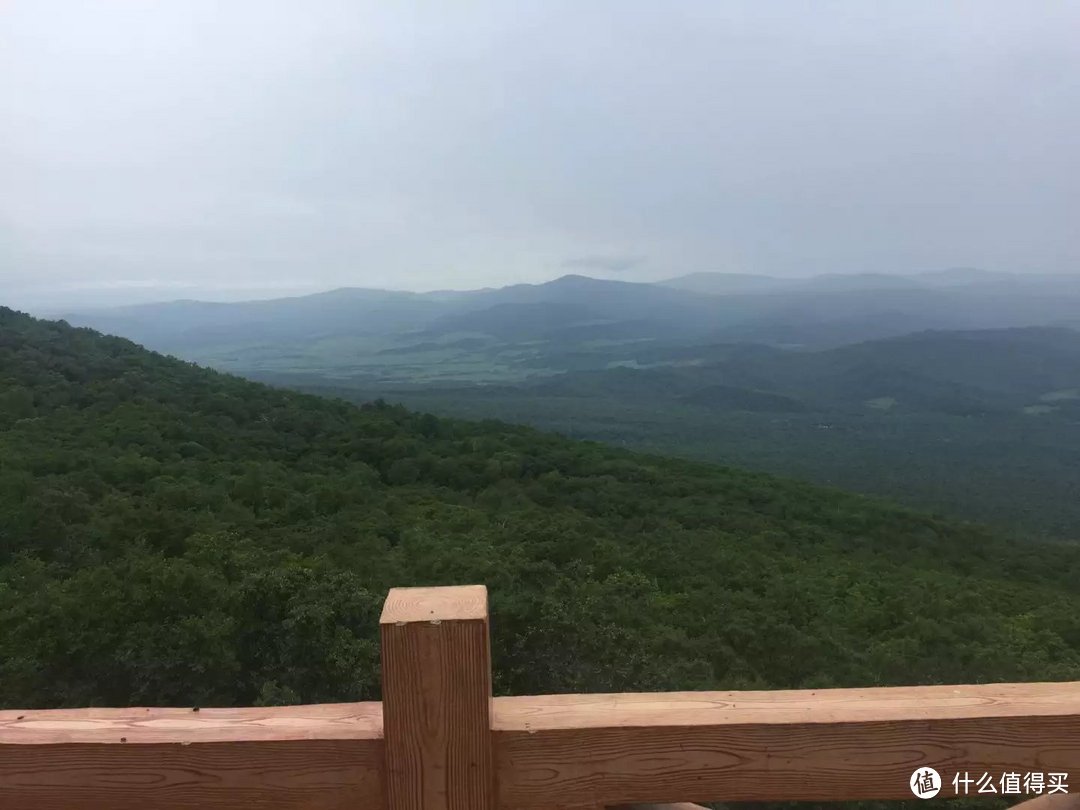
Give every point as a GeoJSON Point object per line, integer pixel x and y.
{"type": "Point", "coordinates": [445, 604]}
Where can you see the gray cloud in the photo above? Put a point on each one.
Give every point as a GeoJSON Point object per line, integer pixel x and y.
{"type": "Point", "coordinates": [267, 145]}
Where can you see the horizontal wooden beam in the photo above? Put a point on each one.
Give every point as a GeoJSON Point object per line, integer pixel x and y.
{"type": "Point", "coordinates": [821, 745]}
{"type": "Point", "coordinates": [562, 750]}
{"type": "Point", "coordinates": [326, 757]}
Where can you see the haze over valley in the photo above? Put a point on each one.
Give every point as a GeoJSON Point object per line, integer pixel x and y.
{"type": "Point", "coordinates": [956, 390]}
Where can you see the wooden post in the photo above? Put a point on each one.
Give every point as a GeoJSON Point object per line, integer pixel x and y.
{"type": "Point", "coordinates": [436, 686]}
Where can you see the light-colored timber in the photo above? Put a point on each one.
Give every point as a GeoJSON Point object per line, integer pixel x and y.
{"type": "Point", "coordinates": [324, 721]}
{"type": "Point", "coordinates": [464, 602]}
{"type": "Point", "coordinates": [816, 745]}
{"type": "Point", "coordinates": [436, 666]}
{"type": "Point", "coordinates": [327, 757]}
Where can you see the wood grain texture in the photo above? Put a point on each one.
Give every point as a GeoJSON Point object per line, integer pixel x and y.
{"type": "Point", "coordinates": [824, 745]}
{"type": "Point", "coordinates": [312, 757]}
{"type": "Point", "coordinates": [579, 752]}
{"type": "Point", "coordinates": [441, 604]}
{"type": "Point", "coordinates": [325, 721]}
{"type": "Point", "coordinates": [436, 666]}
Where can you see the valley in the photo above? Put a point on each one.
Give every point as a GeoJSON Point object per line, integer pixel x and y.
{"type": "Point", "coordinates": [949, 391]}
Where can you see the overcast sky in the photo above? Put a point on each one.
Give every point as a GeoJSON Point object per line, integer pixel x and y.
{"type": "Point", "coordinates": [227, 149]}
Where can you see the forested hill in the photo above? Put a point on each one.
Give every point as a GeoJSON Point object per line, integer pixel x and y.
{"type": "Point", "coordinates": [170, 535]}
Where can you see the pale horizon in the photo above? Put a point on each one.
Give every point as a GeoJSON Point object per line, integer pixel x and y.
{"type": "Point", "coordinates": [58, 300]}
{"type": "Point", "coordinates": [255, 147]}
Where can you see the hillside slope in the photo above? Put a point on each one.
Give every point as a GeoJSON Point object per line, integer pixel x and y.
{"type": "Point", "coordinates": [171, 535]}
{"type": "Point", "coordinates": [983, 425]}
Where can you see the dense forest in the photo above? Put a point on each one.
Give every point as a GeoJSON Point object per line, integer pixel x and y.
{"type": "Point", "coordinates": [173, 535]}
{"type": "Point", "coordinates": [1016, 471]}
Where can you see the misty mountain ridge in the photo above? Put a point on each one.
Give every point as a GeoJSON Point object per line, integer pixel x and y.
{"type": "Point", "coordinates": [718, 283]}
{"type": "Point", "coordinates": [818, 312]}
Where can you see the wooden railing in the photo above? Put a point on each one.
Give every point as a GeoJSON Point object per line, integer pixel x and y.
{"type": "Point", "coordinates": [439, 739]}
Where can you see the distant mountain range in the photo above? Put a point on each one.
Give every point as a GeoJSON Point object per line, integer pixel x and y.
{"type": "Point", "coordinates": [818, 312]}
{"type": "Point", "coordinates": [740, 283]}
